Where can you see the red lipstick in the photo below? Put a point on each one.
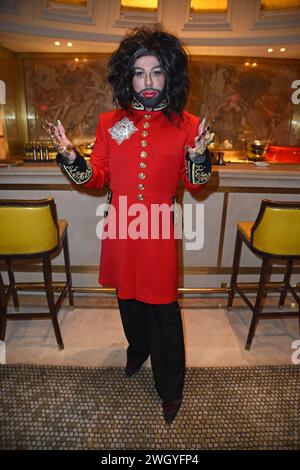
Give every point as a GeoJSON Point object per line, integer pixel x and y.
{"type": "Point", "coordinates": [149, 93]}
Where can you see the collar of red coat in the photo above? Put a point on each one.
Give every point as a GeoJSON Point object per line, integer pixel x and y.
{"type": "Point", "coordinates": [140, 107]}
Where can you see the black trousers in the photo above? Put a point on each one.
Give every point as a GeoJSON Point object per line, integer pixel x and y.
{"type": "Point", "coordinates": [156, 330]}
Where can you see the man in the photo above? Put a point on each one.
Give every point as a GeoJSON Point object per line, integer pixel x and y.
{"type": "Point", "coordinates": [142, 150]}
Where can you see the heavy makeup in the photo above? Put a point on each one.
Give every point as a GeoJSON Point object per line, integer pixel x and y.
{"type": "Point", "coordinates": [148, 80]}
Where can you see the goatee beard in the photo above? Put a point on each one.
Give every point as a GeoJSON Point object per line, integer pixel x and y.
{"type": "Point", "coordinates": [150, 102]}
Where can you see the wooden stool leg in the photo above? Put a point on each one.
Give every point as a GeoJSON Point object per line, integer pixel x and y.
{"type": "Point", "coordinates": [68, 268]}
{"type": "Point", "coordinates": [258, 303]}
{"type": "Point", "coordinates": [47, 269]}
{"type": "Point", "coordinates": [12, 284]}
{"type": "Point", "coordinates": [287, 278]}
{"type": "Point", "coordinates": [235, 268]}
{"type": "Point", "coordinates": [3, 310]}
{"type": "Point", "coordinates": [297, 299]}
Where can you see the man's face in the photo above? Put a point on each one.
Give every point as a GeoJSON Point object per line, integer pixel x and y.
{"type": "Point", "coordinates": [148, 79]}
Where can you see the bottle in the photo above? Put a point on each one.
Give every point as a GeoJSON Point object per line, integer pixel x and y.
{"type": "Point", "coordinates": [221, 158]}
{"type": "Point", "coordinates": [41, 152]}
{"type": "Point", "coordinates": [28, 150]}
{"type": "Point", "coordinates": [34, 151]}
{"type": "Point", "coordinates": [46, 152]}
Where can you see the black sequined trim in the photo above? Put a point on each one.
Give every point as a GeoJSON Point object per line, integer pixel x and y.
{"type": "Point", "coordinates": [198, 173]}
{"type": "Point", "coordinates": [79, 171]}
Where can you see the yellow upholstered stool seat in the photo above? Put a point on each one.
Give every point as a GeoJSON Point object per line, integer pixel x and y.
{"type": "Point", "coordinates": [275, 234]}
{"type": "Point", "coordinates": [30, 229]}
{"type": "Point", "coordinates": [38, 236]}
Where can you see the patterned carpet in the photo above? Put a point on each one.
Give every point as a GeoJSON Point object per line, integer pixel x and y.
{"type": "Point", "coordinates": [48, 407]}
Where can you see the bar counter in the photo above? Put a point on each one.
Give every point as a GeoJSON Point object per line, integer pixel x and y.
{"type": "Point", "coordinates": [234, 193]}
{"type": "Point", "coordinates": [45, 169]}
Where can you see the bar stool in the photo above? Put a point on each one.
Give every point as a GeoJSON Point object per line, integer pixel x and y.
{"type": "Point", "coordinates": [275, 234]}
{"type": "Point", "coordinates": [30, 230]}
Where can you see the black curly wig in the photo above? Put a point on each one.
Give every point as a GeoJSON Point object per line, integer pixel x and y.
{"type": "Point", "coordinates": [171, 55]}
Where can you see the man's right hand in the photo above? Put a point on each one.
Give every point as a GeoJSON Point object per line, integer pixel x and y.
{"type": "Point", "coordinates": [62, 144]}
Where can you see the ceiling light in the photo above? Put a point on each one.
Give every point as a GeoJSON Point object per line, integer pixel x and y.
{"type": "Point", "coordinates": [215, 6]}
{"type": "Point", "coordinates": [270, 49]}
{"type": "Point", "coordinates": [69, 44]}
{"type": "Point", "coordinates": [254, 64]}
{"type": "Point", "coordinates": [282, 49]}
{"type": "Point", "coordinates": [247, 64]}
{"type": "Point", "coordinates": [57, 43]}
{"type": "Point", "coordinates": [139, 4]}
{"type": "Point", "coordinates": [76, 59]}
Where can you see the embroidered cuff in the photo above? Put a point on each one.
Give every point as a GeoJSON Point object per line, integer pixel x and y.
{"type": "Point", "coordinates": [198, 173]}
{"type": "Point", "coordinates": [79, 171]}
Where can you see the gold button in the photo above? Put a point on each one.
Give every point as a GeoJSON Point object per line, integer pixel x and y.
{"type": "Point", "coordinates": [144, 154]}
{"type": "Point", "coordinates": [144, 134]}
{"type": "Point", "coordinates": [143, 165]}
{"type": "Point", "coordinates": [146, 125]}
{"type": "Point", "coordinates": [147, 116]}
{"type": "Point", "coordinates": [144, 143]}
{"type": "Point", "coordinates": [140, 197]}
{"type": "Point", "coordinates": [142, 176]}
{"type": "Point", "coordinates": [141, 186]}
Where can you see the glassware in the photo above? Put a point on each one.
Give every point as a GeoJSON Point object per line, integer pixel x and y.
{"type": "Point", "coordinates": [256, 150]}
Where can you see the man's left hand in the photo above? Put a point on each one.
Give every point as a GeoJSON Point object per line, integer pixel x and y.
{"type": "Point", "coordinates": [201, 142]}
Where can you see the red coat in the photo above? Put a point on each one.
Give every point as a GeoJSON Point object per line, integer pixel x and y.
{"type": "Point", "coordinates": [147, 168]}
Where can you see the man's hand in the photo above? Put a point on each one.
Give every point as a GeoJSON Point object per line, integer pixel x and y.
{"type": "Point", "coordinates": [62, 144]}
{"type": "Point", "coordinates": [201, 142]}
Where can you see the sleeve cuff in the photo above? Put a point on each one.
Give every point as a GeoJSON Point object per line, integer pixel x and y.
{"type": "Point", "coordinates": [79, 171]}
{"type": "Point", "coordinates": [198, 173]}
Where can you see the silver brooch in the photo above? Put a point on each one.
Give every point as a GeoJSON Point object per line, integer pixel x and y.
{"type": "Point", "coordinates": [122, 130]}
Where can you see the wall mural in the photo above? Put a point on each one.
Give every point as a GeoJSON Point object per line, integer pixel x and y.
{"type": "Point", "coordinates": [242, 103]}
{"type": "Point", "coordinates": [247, 103]}
{"type": "Point", "coordinates": [74, 92]}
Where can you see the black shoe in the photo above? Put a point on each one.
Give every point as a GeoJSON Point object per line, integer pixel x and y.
{"type": "Point", "coordinates": [170, 409]}
{"type": "Point", "coordinates": [132, 368]}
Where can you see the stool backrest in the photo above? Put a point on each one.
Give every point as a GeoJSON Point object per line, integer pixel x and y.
{"type": "Point", "coordinates": [276, 230]}
{"type": "Point", "coordinates": [28, 227]}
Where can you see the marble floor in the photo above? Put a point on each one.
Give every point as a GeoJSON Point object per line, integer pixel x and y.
{"type": "Point", "coordinates": [93, 336]}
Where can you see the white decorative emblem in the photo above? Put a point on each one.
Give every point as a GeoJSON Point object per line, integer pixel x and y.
{"type": "Point", "coordinates": [122, 130]}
